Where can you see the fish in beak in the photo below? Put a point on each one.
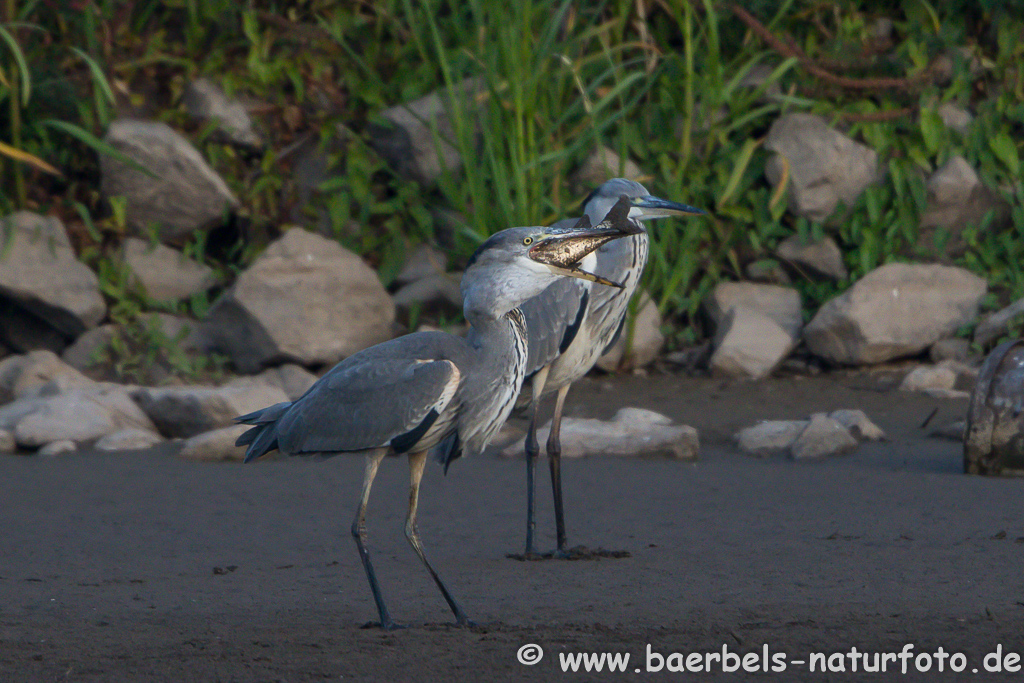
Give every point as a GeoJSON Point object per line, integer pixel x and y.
{"type": "Point", "coordinates": [561, 250]}
{"type": "Point", "coordinates": [645, 208]}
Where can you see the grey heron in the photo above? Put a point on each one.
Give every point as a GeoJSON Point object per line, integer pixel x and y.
{"type": "Point", "coordinates": [571, 325]}
{"type": "Point", "coordinates": [431, 392]}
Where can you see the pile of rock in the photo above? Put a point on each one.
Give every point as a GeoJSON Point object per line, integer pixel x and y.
{"type": "Point", "coordinates": [823, 434]}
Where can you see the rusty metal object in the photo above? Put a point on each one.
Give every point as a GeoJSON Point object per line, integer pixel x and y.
{"type": "Point", "coordinates": [994, 438]}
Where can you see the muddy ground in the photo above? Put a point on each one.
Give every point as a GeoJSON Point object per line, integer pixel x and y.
{"type": "Point", "coordinates": [142, 567]}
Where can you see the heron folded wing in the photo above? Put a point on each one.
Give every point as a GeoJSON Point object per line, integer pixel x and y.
{"type": "Point", "coordinates": [552, 319]}
{"type": "Point", "coordinates": [361, 405]}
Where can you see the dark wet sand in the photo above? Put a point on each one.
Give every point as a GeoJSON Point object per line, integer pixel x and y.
{"type": "Point", "coordinates": [141, 567]}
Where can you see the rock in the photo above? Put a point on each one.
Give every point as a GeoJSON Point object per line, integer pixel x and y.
{"type": "Point", "coordinates": [895, 310]}
{"type": "Point", "coordinates": [953, 431]}
{"type": "Point", "coordinates": [956, 200]}
{"type": "Point", "coordinates": [82, 416]}
{"type": "Point", "coordinates": [55, 448]}
{"type": "Point", "coordinates": [409, 144]}
{"type": "Point", "coordinates": [423, 262]}
{"type": "Point", "coordinates": [955, 118]}
{"type": "Point", "coordinates": [749, 345]}
{"type": "Point", "coordinates": [165, 273]}
{"type": "Point", "coordinates": [603, 164]}
{"type": "Point", "coordinates": [216, 445]}
{"type": "Point", "coordinates": [305, 299]}
{"type": "Point", "coordinates": [182, 412]}
{"type": "Point", "coordinates": [88, 350]}
{"type": "Point", "coordinates": [40, 275]}
{"type": "Point", "coordinates": [293, 380]}
{"type": "Point", "coordinates": [7, 443]}
{"type": "Point", "coordinates": [820, 257]}
{"type": "Point", "coordinates": [770, 437]}
{"type": "Point", "coordinates": [646, 343]}
{"type": "Point", "coordinates": [440, 287]}
{"type": "Point", "coordinates": [858, 424]}
{"type": "Point", "coordinates": [131, 439]}
{"type": "Point", "coordinates": [184, 196]}
{"type": "Point", "coordinates": [632, 431]}
{"type": "Point", "coordinates": [953, 348]}
{"type": "Point", "coordinates": [781, 304]}
{"type": "Point", "coordinates": [36, 373]}
{"type": "Point", "coordinates": [825, 167]}
{"type": "Point", "coordinates": [994, 326]}
{"type": "Point", "coordinates": [823, 436]}
{"type": "Point", "coordinates": [767, 270]}
{"type": "Point", "coordinates": [926, 377]}
{"type": "Point", "coordinates": [204, 100]}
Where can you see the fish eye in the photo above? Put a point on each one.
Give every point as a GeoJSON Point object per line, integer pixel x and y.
{"type": "Point", "coordinates": [527, 241]}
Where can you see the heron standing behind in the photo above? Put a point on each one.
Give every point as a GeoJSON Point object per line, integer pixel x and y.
{"type": "Point", "coordinates": [429, 391]}
{"type": "Point", "coordinates": [571, 325]}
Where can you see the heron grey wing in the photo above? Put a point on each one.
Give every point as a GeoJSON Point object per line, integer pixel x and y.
{"type": "Point", "coordinates": [368, 404]}
{"type": "Point", "coordinates": [553, 318]}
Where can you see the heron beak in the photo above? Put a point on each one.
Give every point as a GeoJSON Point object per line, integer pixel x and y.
{"type": "Point", "coordinates": [656, 207]}
{"type": "Point", "coordinates": [562, 250]}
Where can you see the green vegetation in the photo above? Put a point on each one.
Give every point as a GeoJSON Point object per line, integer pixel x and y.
{"type": "Point", "coordinates": [660, 82]}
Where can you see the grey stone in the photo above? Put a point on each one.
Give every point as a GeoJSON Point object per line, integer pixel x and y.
{"type": "Point", "coordinates": [165, 273]}
{"type": "Point", "coordinates": [603, 164]}
{"type": "Point", "coordinates": [640, 349]}
{"type": "Point", "coordinates": [423, 262]}
{"type": "Point", "coordinates": [132, 439]}
{"type": "Point", "coordinates": [82, 416]}
{"type": "Point", "coordinates": [770, 437]}
{"type": "Point", "coordinates": [822, 437]}
{"type": "Point", "coordinates": [749, 345]}
{"type": "Point", "coordinates": [858, 424]}
{"type": "Point", "coordinates": [994, 326]}
{"type": "Point", "coordinates": [925, 377]}
{"type": "Point", "coordinates": [204, 100]}
{"type": "Point", "coordinates": [956, 118]}
{"type": "Point", "coordinates": [87, 351]}
{"type": "Point", "coordinates": [305, 299]}
{"type": "Point", "coordinates": [186, 195]}
{"type": "Point", "coordinates": [294, 380]}
{"type": "Point", "coordinates": [409, 143]}
{"type": "Point", "coordinates": [952, 348]}
{"type": "Point", "coordinates": [29, 374]}
{"type": "Point", "coordinates": [821, 257]}
{"type": "Point", "coordinates": [956, 200]}
{"type": "Point", "coordinates": [55, 448]}
{"type": "Point", "coordinates": [895, 310]}
{"type": "Point", "coordinates": [7, 442]}
{"type": "Point", "coordinates": [40, 274]}
{"type": "Point", "coordinates": [436, 288]}
{"type": "Point", "coordinates": [215, 445]}
{"type": "Point", "coordinates": [182, 412]}
{"type": "Point", "coordinates": [631, 432]}
{"type": "Point", "coordinates": [781, 304]}
{"type": "Point", "coordinates": [825, 167]}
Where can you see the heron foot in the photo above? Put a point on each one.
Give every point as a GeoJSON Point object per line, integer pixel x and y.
{"type": "Point", "coordinates": [386, 626]}
{"type": "Point", "coordinates": [579, 552]}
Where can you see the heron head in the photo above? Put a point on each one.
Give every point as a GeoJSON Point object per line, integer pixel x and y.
{"type": "Point", "coordinates": [642, 205]}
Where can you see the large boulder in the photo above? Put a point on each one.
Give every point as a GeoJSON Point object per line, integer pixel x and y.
{"type": "Point", "coordinates": [781, 304]}
{"type": "Point", "coordinates": [179, 195]}
{"type": "Point", "coordinates": [41, 278]}
{"type": "Point", "coordinates": [824, 166]}
{"type": "Point", "coordinates": [418, 138]}
{"type": "Point", "coordinates": [165, 273]}
{"type": "Point", "coordinates": [895, 310]}
{"type": "Point", "coordinates": [182, 412]}
{"type": "Point", "coordinates": [305, 299]}
{"type": "Point", "coordinates": [750, 344]}
{"type": "Point", "coordinates": [81, 415]}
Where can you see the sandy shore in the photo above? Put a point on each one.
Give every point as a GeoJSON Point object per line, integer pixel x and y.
{"type": "Point", "coordinates": [144, 567]}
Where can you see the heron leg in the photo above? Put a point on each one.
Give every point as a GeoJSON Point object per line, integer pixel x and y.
{"type": "Point", "coordinates": [416, 463]}
{"type": "Point", "coordinates": [532, 451]}
{"type": "Point", "coordinates": [359, 534]}
{"type": "Point", "coordinates": [555, 464]}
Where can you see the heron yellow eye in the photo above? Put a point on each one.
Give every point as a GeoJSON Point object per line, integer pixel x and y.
{"type": "Point", "coordinates": [527, 241]}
